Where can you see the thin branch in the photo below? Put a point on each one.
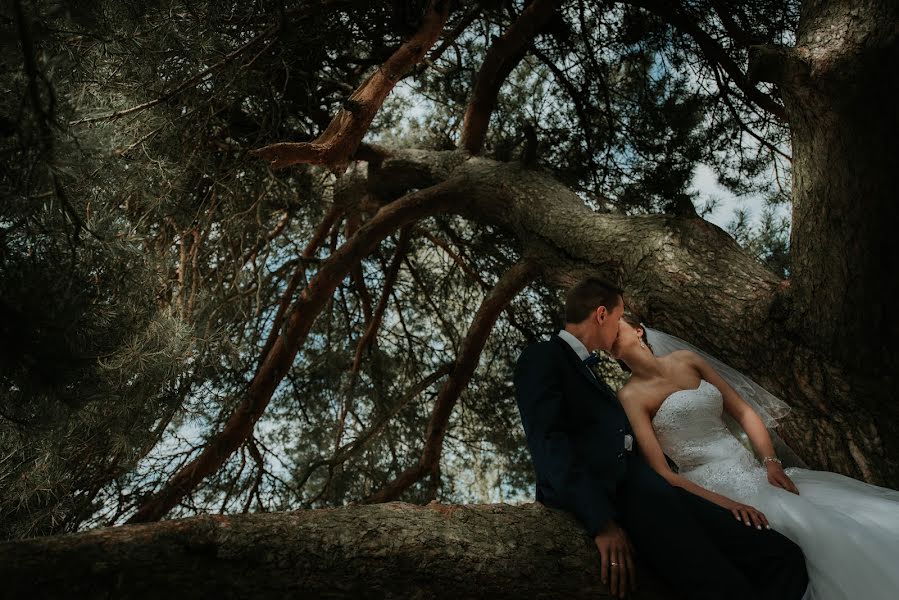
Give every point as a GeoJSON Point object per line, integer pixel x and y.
{"type": "Point", "coordinates": [508, 286]}
{"type": "Point", "coordinates": [725, 97]}
{"type": "Point", "coordinates": [503, 56]}
{"type": "Point", "coordinates": [713, 52]}
{"type": "Point", "coordinates": [337, 144]}
{"type": "Point", "coordinates": [476, 277]}
{"type": "Point", "coordinates": [577, 97]}
{"type": "Point", "coordinates": [425, 289]}
{"type": "Point", "coordinates": [260, 471]}
{"type": "Point", "coordinates": [368, 336]}
{"type": "Point", "coordinates": [389, 281]}
{"type": "Point", "coordinates": [473, 274]}
{"type": "Point", "coordinates": [268, 31]}
{"type": "Point", "coordinates": [352, 448]}
{"type": "Point", "coordinates": [736, 33]}
{"type": "Point", "coordinates": [299, 274]}
{"type": "Point", "coordinates": [353, 221]}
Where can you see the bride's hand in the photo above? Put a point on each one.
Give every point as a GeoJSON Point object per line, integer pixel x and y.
{"type": "Point", "coordinates": [749, 515]}
{"type": "Point", "coordinates": [778, 478]}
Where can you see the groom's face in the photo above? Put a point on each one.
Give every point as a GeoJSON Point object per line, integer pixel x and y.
{"type": "Point", "coordinates": [606, 324]}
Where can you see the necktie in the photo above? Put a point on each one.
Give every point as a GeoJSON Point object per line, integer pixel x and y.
{"type": "Point", "coordinates": [592, 359]}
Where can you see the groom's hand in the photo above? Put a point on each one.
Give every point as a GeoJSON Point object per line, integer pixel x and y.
{"type": "Point", "coordinates": [617, 562]}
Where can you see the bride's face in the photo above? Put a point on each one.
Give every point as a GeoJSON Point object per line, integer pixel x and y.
{"type": "Point", "coordinates": [627, 336]}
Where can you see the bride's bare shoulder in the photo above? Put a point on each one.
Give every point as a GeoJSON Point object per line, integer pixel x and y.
{"type": "Point", "coordinates": [680, 358]}
{"type": "Point", "coordinates": [632, 393]}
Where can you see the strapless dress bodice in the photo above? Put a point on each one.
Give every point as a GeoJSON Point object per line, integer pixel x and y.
{"type": "Point", "coordinates": [691, 431]}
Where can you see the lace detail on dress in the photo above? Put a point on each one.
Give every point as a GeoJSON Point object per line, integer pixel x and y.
{"type": "Point", "coordinates": [692, 433]}
{"type": "Point", "coordinates": [848, 530]}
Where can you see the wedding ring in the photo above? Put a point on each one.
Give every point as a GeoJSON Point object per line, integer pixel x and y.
{"type": "Point", "coordinates": [614, 564]}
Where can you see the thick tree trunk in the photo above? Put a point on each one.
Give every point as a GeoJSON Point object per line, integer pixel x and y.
{"type": "Point", "coordinates": [392, 550]}
{"type": "Point", "coordinates": [839, 85]}
{"type": "Point", "coordinates": [844, 117]}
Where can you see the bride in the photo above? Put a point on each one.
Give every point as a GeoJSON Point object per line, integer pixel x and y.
{"type": "Point", "coordinates": [677, 405]}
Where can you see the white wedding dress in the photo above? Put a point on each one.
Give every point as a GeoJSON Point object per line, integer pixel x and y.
{"type": "Point", "coordinates": [847, 529]}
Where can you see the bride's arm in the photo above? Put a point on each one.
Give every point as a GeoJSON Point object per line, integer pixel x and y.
{"type": "Point", "coordinates": [638, 415]}
{"type": "Point", "coordinates": [748, 419]}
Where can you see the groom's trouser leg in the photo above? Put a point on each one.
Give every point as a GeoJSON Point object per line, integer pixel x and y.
{"type": "Point", "coordinates": [700, 548]}
{"type": "Point", "coordinates": [772, 563]}
{"type": "Point", "coordinates": [668, 538]}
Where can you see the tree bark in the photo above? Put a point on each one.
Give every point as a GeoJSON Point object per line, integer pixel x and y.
{"type": "Point", "coordinates": [392, 550]}
{"type": "Point", "coordinates": [841, 105]}
{"type": "Point", "coordinates": [839, 86]}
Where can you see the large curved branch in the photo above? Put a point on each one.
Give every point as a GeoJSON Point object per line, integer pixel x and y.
{"type": "Point", "coordinates": [512, 282]}
{"type": "Point", "coordinates": [505, 53]}
{"type": "Point", "coordinates": [648, 255]}
{"type": "Point", "coordinates": [690, 278]}
{"type": "Point", "coordinates": [393, 550]}
{"type": "Point", "coordinates": [337, 144]}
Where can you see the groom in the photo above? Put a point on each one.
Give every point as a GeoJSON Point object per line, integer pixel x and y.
{"type": "Point", "coordinates": [588, 464]}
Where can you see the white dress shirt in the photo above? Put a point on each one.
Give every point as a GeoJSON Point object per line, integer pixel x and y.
{"type": "Point", "coordinates": [575, 343]}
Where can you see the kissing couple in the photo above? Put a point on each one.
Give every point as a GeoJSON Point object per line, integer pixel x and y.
{"type": "Point", "coordinates": [656, 471]}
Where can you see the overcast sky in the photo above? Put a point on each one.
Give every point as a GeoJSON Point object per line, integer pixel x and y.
{"type": "Point", "coordinates": [706, 183]}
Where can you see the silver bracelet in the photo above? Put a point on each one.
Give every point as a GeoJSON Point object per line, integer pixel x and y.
{"type": "Point", "coordinates": [768, 459]}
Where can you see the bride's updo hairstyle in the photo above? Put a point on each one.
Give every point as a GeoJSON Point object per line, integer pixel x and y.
{"type": "Point", "coordinates": [634, 321]}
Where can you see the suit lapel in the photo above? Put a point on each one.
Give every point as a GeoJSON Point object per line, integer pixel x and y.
{"type": "Point", "coordinates": [579, 364]}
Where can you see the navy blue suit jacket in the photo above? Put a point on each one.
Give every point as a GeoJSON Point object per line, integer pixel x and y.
{"type": "Point", "coordinates": [575, 430]}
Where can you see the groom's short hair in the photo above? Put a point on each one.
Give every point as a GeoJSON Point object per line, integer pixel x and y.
{"type": "Point", "coordinates": [587, 295]}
